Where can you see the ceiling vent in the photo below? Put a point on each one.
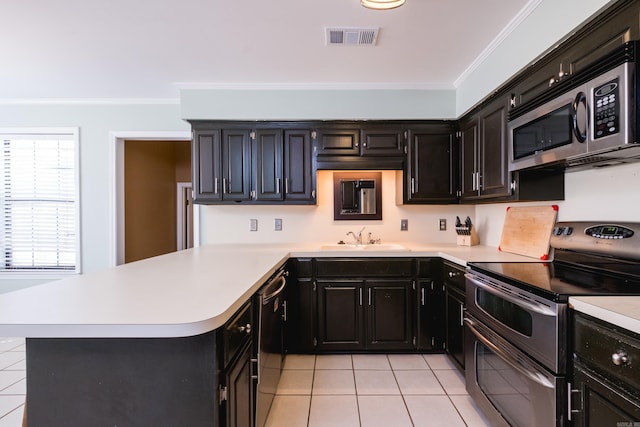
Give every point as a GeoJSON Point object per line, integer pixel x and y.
{"type": "Point", "coordinates": [351, 36]}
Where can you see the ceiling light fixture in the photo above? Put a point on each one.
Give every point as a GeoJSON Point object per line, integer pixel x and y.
{"type": "Point", "coordinates": [382, 4]}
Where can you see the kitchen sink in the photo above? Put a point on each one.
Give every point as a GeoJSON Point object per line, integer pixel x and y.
{"type": "Point", "coordinates": [372, 247]}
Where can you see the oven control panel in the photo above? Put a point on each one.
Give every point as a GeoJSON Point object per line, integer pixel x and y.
{"type": "Point", "coordinates": [619, 239]}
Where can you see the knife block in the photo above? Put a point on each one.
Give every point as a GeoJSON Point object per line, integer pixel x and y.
{"type": "Point", "coordinates": [470, 239]}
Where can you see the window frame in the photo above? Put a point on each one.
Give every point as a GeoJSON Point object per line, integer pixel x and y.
{"type": "Point", "coordinates": [73, 133]}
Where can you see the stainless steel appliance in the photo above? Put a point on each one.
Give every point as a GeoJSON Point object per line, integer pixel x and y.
{"type": "Point", "coordinates": [591, 117]}
{"type": "Point", "coordinates": [517, 353]}
{"type": "Point", "coordinates": [270, 350]}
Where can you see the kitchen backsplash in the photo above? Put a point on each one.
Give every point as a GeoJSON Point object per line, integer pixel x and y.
{"type": "Point", "coordinates": [230, 224]}
{"type": "Point", "coordinates": [596, 194]}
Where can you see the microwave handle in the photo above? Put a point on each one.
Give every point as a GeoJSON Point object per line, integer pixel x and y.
{"type": "Point", "coordinates": [580, 134]}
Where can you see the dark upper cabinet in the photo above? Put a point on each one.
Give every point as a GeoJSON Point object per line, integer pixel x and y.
{"type": "Point", "coordinates": [382, 141]}
{"type": "Point", "coordinates": [236, 164]}
{"type": "Point", "coordinates": [341, 139]}
{"type": "Point", "coordinates": [484, 153]}
{"type": "Point", "coordinates": [299, 176]}
{"type": "Point", "coordinates": [269, 164]}
{"type": "Point", "coordinates": [207, 166]}
{"type": "Point", "coordinates": [233, 162]}
{"type": "Point", "coordinates": [338, 140]}
{"type": "Point", "coordinates": [431, 165]}
{"type": "Point", "coordinates": [616, 25]}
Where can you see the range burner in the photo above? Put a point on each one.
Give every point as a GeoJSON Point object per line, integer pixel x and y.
{"type": "Point", "coordinates": [586, 262]}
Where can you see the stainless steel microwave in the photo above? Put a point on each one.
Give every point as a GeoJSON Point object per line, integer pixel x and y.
{"type": "Point", "coordinates": [592, 123]}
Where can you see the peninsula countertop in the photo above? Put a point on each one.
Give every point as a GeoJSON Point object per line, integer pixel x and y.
{"type": "Point", "coordinates": [180, 294]}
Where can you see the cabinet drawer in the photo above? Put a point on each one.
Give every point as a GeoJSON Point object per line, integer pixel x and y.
{"type": "Point", "coordinates": [301, 267]}
{"type": "Point", "coordinates": [599, 345]}
{"type": "Point", "coordinates": [237, 332]}
{"type": "Point", "coordinates": [361, 267]}
{"type": "Point", "coordinates": [427, 267]}
{"type": "Point", "coordinates": [453, 276]}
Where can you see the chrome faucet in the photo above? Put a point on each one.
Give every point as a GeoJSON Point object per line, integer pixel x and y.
{"type": "Point", "coordinates": [357, 237]}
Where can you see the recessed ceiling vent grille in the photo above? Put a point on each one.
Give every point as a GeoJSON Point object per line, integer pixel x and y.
{"type": "Point", "coordinates": [351, 36]}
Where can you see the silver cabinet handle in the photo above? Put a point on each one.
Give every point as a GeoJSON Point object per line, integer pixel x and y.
{"type": "Point", "coordinates": [369, 296]}
{"type": "Point", "coordinates": [246, 328]}
{"type": "Point", "coordinates": [360, 291]}
{"type": "Point", "coordinates": [215, 185]}
{"type": "Point", "coordinates": [224, 185]}
{"type": "Point", "coordinates": [422, 299]}
{"type": "Point", "coordinates": [620, 358]}
{"type": "Point", "coordinates": [413, 185]}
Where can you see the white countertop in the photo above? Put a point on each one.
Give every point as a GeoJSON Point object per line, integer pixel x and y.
{"type": "Point", "coordinates": [623, 311]}
{"type": "Point", "coordinates": [179, 294]}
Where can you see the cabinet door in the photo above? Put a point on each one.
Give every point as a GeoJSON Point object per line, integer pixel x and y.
{"type": "Point", "coordinates": [601, 404]}
{"type": "Point", "coordinates": [239, 404]}
{"type": "Point", "coordinates": [468, 157]}
{"type": "Point", "coordinates": [340, 315]}
{"type": "Point", "coordinates": [299, 179]}
{"type": "Point", "coordinates": [431, 167]}
{"type": "Point", "coordinates": [455, 326]}
{"type": "Point", "coordinates": [207, 170]}
{"type": "Point", "coordinates": [494, 175]}
{"type": "Point", "coordinates": [269, 164]}
{"type": "Point", "coordinates": [236, 165]}
{"type": "Point", "coordinates": [386, 141]}
{"type": "Point", "coordinates": [299, 324]}
{"type": "Point", "coordinates": [389, 314]}
{"type": "Point", "coordinates": [338, 141]}
{"type": "Point", "coordinates": [430, 300]}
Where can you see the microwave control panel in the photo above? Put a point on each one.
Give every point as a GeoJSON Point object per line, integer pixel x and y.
{"type": "Point", "coordinates": [606, 109]}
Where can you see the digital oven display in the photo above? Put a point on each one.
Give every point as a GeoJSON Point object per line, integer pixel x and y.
{"type": "Point", "coordinates": [609, 231]}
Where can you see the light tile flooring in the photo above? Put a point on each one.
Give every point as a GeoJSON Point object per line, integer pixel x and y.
{"type": "Point", "coordinates": [372, 390]}
{"type": "Point", "coordinates": [13, 384]}
{"type": "Point", "coordinates": [323, 391]}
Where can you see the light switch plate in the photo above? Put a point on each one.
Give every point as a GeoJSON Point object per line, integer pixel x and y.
{"type": "Point", "coordinates": [404, 224]}
{"type": "Point", "coordinates": [278, 224]}
{"type": "Point", "coordinates": [253, 225]}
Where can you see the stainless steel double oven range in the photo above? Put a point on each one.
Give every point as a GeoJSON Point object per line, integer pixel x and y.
{"type": "Point", "coordinates": [518, 348]}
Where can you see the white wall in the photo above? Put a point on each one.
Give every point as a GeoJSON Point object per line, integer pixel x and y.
{"type": "Point", "coordinates": [95, 123]}
{"type": "Point", "coordinates": [605, 194]}
{"type": "Point", "coordinates": [548, 23]}
{"type": "Point", "coordinates": [315, 104]}
{"type": "Point", "coordinates": [230, 224]}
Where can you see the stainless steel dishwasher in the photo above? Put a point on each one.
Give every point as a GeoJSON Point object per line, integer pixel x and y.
{"type": "Point", "coordinates": [270, 348]}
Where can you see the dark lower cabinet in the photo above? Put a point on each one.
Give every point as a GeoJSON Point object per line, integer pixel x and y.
{"type": "Point", "coordinates": [454, 288]}
{"type": "Point", "coordinates": [389, 314]}
{"type": "Point", "coordinates": [370, 314]}
{"type": "Point", "coordinates": [606, 382]}
{"type": "Point", "coordinates": [239, 392]}
{"type": "Point", "coordinates": [340, 315]}
{"type": "Point", "coordinates": [430, 315]}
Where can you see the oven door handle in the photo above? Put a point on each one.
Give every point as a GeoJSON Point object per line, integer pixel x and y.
{"type": "Point", "coordinates": [536, 308]}
{"type": "Point", "coordinates": [537, 377]}
{"type": "Point", "coordinates": [282, 278]}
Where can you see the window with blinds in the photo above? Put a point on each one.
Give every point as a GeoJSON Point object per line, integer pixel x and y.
{"type": "Point", "coordinates": [40, 201]}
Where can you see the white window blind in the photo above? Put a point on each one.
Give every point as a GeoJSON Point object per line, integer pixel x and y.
{"type": "Point", "coordinates": [40, 202]}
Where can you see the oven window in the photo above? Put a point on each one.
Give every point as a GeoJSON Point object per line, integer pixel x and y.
{"type": "Point", "coordinates": [505, 387]}
{"type": "Point", "coordinates": [505, 312]}
{"type": "Point", "coordinates": [549, 131]}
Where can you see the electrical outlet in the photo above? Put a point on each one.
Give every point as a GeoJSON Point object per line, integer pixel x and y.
{"type": "Point", "coordinates": [404, 224]}
{"type": "Point", "coordinates": [443, 224]}
{"type": "Point", "coordinates": [253, 225]}
{"type": "Point", "coordinates": [278, 224]}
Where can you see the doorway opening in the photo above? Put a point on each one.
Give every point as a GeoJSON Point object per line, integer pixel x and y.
{"type": "Point", "coordinates": [144, 194]}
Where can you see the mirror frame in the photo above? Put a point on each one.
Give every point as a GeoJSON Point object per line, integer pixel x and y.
{"type": "Point", "coordinates": [338, 177]}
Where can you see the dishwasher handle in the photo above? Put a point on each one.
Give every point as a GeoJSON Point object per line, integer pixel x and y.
{"type": "Point", "coordinates": [281, 277]}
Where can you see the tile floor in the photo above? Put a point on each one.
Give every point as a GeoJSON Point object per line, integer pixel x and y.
{"type": "Point", "coordinates": [323, 391]}
{"type": "Point", "coordinates": [13, 385]}
{"type": "Point", "coordinates": [372, 390]}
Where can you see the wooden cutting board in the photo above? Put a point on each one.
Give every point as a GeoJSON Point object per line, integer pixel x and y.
{"type": "Point", "coordinates": [527, 230]}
